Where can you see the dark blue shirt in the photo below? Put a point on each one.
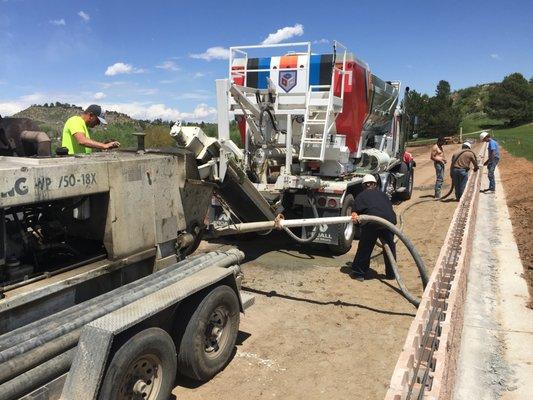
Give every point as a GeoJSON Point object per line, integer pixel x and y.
{"type": "Point", "coordinates": [375, 202]}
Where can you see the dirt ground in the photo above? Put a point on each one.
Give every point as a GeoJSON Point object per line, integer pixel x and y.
{"type": "Point", "coordinates": [518, 184]}
{"type": "Point", "coordinates": [313, 332]}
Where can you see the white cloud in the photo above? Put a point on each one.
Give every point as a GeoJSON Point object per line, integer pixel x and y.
{"type": "Point", "coordinates": [58, 22]}
{"type": "Point", "coordinates": [107, 85]}
{"type": "Point", "coordinates": [11, 107]}
{"type": "Point", "coordinates": [198, 75]}
{"type": "Point", "coordinates": [283, 34]}
{"type": "Point", "coordinates": [122, 68]}
{"type": "Point", "coordinates": [99, 96]}
{"type": "Point", "coordinates": [33, 98]}
{"type": "Point", "coordinates": [147, 92]}
{"type": "Point", "coordinates": [495, 56]}
{"type": "Point", "coordinates": [84, 16]}
{"type": "Point", "coordinates": [197, 95]}
{"type": "Point", "coordinates": [212, 53]}
{"type": "Point", "coordinates": [154, 111]}
{"type": "Point", "coordinates": [169, 66]}
{"type": "Point", "coordinates": [23, 102]}
{"type": "Point", "coordinates": [321, 41]}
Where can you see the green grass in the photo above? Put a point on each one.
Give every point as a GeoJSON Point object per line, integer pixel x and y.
{"type": "Point", "coordinates": [478, 121]}
{"type": "Point", "coordinates": [517, 141]}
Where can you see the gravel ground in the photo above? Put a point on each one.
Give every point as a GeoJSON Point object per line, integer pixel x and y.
{"type": "Point", "coordinates": [315, 333]}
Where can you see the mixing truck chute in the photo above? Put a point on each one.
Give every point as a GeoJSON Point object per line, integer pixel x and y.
{"type": "Point", "coordinates": [311, 126]}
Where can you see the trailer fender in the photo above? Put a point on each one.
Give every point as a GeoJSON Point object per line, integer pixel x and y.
{"type": "Point", "coordinates": [94, 347]}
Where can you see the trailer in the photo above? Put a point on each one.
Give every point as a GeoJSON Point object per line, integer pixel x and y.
{"type": "Point", "coordinates": [98, 299]}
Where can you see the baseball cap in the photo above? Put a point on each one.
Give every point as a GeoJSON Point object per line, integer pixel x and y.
{"type": "Point", "coordinates": [97, 110]}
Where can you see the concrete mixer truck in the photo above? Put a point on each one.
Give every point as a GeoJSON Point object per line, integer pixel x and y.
{"type": "Point", "coordinates": [311, 126]}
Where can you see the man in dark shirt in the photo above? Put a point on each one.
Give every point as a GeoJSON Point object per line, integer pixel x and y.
{"type": "Point", "coordinates": [372, 201]}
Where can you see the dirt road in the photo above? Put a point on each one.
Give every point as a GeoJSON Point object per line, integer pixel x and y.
{"type": "Point", "coordinates": [314, 333]}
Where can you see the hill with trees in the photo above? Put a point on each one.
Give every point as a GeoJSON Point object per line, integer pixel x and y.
{"type": "Point", "coordinates": [505, 104]}
{"type": "Point", "coordinates": [51, 117]}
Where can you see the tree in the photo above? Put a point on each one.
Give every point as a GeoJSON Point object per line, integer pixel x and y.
{"type": "Point", "coordinates": [512, 100]}
{"type": "Point", "coordinates": [416, 107]}
{"type": "Point", "coordinates": [442, 118]}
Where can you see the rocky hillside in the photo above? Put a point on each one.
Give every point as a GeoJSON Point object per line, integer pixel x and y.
{"type": "Point", "coordinates": [473, 99]}
{"type": "Point", "coordinates": [57, 115]}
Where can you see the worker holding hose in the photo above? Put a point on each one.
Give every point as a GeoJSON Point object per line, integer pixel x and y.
{"type": "Point", "coordinates": [461, 161]}
{"type": "Point", "coordinates": [372, 201]}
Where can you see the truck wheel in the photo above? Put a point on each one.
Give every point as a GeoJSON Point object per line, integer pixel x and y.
{"type": "Point", "coordinates": [209, 338]}
{"type": "Point", "coordinates": [409, 189]}
{"type": "Point", "coordinates": [345, 232]}
{"type": "Point", "coordinates": [144, 367]}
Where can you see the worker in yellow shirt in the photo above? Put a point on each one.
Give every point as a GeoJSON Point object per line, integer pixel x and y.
{"type": "Point", "coordinates": [76, 137]}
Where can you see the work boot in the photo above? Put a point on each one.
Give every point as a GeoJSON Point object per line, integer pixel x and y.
{"type": "Point", "coordinates": [357, 276]}
{"type": "Point", "coordinates": [389, 274]}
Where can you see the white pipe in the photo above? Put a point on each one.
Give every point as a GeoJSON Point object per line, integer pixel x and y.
{"type": "Point", "coordinates": [288, 145]}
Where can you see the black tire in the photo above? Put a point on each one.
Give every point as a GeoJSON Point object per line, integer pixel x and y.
{"type": "Point", "coordinates": [346, 232]}
{"type": "Point", "coordinates": [149, 357]}
{"type": "Point", "coordinates": [204, 352]}
{"type": "Point", "coordinates": [409, 189]}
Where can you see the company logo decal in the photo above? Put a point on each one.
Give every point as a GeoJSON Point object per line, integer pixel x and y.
{"type": "Point", "coordinates": [287, 80]}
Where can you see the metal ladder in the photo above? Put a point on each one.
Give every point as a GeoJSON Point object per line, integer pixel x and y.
{"type": "Point", "coordinates": [318, 112]}
{"type": "Point", "coordinates": [324, 112]}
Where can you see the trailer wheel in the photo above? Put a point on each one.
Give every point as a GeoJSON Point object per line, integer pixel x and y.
{"type": "Point", "coordinates": [144, 367]}
{"type": "Point", "coordinates": [209, 338]}
{"type": "Point", "coordinates": [345, 232]}
{"type": "Point", "coordinates": [410, 183]}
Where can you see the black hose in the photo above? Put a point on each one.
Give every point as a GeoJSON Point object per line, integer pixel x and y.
{"type": "Point", "coordinates": [364, 219]}
{"type": "Point", "coordinates": [408, 295]}
{"type": "Point", "coordinates": [36, 377]}
{"type": "Point", "coordinates": [97, 310]}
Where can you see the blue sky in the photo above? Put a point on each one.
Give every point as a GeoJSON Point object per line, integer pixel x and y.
{"type": "Point", "coordinates": [150, 59]}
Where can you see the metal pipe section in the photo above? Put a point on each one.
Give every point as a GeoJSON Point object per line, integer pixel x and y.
{"type": "Point", "coordinates": [25, 332]}
{"type": "Point", "coordinates": [37, 376]}
{"type": "Point", "coordinates": [28, 360]}
{"type": "Point", "coordinates": [40, 139]}
{"type": "Point", "coordinates": [97, 309]}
